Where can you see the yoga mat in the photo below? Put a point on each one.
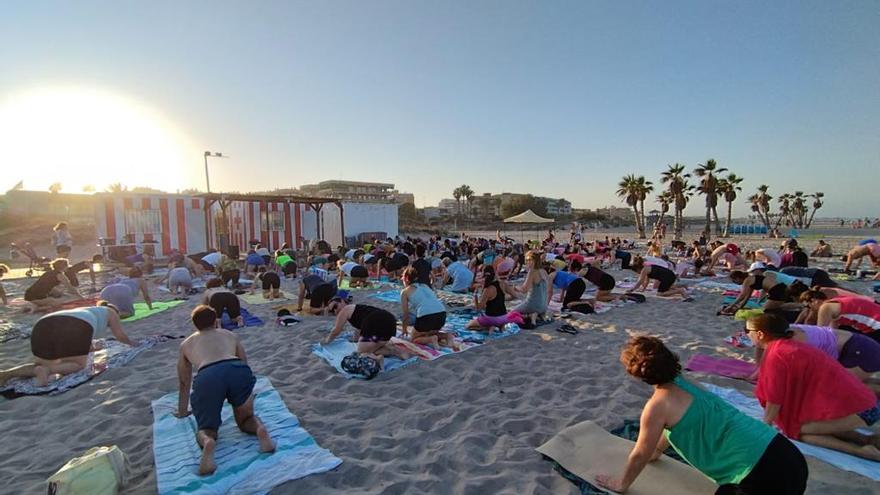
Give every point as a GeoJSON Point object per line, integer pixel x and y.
{"type": "Point", "coordinates": [714, 285]}
{"type": "Point", "coordinates": [113, 355]}
{"type": "Point", "coordinates": [750, 304]}
{"type": "Point", "coordinates": [731, 368]}
{"type": "Point", "coordinates": [241, 468]}
{"type": "Point", "coordinates": [141, 310]}
{"type": "Point", "coordinates": [249, 320]}
{"type": "Point", "coordinates": [585, 450]}
{"type": "Point", "coordinates": [259, 299]}
{"type": "Point", "coordinates": [457, 321]}
{"type": "Point", "coordinates": [751, 407]}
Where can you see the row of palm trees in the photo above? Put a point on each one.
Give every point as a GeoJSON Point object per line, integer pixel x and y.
{"type": "Point", "coordinates": [463, 191]}
{"type": "Point", "coordinates": [678, 191]}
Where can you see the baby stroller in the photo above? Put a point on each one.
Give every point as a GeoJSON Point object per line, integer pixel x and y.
{"type": "Point", "coordinates": [37, 263]}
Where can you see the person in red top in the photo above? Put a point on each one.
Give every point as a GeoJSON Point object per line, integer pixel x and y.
{"type": "Point", "coordinates": [810, 396]}
{"type": "Point", "coordinates": [860, 313]}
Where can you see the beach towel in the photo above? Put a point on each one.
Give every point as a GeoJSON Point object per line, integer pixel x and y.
{"type": "Point", "coordinates": [10, 330]}
{"type": "Point", "coordinates": [740, 339]}
{"type": "Point", "coordinates": [249, 320]}
{"type": "Point", "coordinates": [585, 450]}
{"type": "Point", "coordinates": [715, 285]}
{"type": "Point", "coordinates": [241, 468]}
{"type": "Point", "coordinates": [77, 303]}
{"type": "Point", "coordinates": [750, 304]}
{"type": "Point", "coordinates": [455, 324]}
{"type": "Point", "coordinates": [450, 298]}
{"type": "Point", "coordinates": [731, 368]}
{"type": "Point", "coordinates": [112, 355]}
{"type": "Point", "coordinates": [341, 347]}
{"type": "Point", "coordinates": [141, 310]}
{"type": "Point", "coordinates": [259, 299]}
{"type": "Point", "coordinates": [346, 284]}
{"type": "Point", "coordinates": [751, 407]}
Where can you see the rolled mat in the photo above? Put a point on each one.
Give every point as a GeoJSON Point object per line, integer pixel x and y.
{"type": "Point", "coordinates": [585, 450]}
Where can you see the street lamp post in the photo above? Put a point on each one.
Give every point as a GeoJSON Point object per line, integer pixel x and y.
{"type": "Point", "coordinates": [215, 155]}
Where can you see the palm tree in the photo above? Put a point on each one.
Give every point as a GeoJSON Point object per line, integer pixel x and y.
{"type": "Point", "coordinates": [116, 187]}
{"type": "Point", "coordinates": [728, 187]}
{"type": "Point", "coordinates": [645, 187]}
{"type": "Point", "coordinates": [88, 188]}
{"type": "Point", "coordinates": [456, 193]}
{"type": "Point", "coordinates": [817, 203]}
{"type": "Point", "coordinates": [799, 209]}
{"type": "Point", "coordinates": [761, 201]}
{"type": "Point", "coordinates": [664, 199]}
{"type": "Point", "coordinates": [677, 181]}
{"type": "Point", "coordinates": [55, 188]}
{"type": "Point", "coordinates": [709, 188]}
{"type": "Point", "coordinates": [468, 194]}
{"type": "Point", "coordinates": [784, 209]}
{"type": "Point", "coordinates": [628, 190]}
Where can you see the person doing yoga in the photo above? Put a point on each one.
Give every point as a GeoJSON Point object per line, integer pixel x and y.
{"type": "Point", "coordinates": [664, 280]}
{"type": "Point", "coordinates": [810, 396]}
{"type": "Point", "coordinates": [491, 301]}
{"type": "Point", "coordinates": [45, 293]}
{"type": "Point", "coordinates": [61, 341]}
{"type": "Point", "coordinates": [221, 300]}
{"type": "Point", "coordinates": [374, 328]}
{"type": "Point", "coordinates": [739, 453]}
{"type": "Point", "coordinates": [773, 285]}
{"type": "Point", "coordinates": [222, 374]}
{"type": "Point", "coordinates": [857, 313]}
{"type": "Point", "coordinates": [424, 311]}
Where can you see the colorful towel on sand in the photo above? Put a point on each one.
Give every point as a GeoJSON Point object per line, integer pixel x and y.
{"type": "Point", "coordinates": [454, 299]}
{"type": "Point", "coordinates": [259, 299]}
{"type": "Point", "coordinates": [241, 468]}
{"type": "Point", "coordinates": [141, 310]}
{"type": "Point", "coordinates": [112, 355]}
{"type": "Point", "coordinates": [715, 285]}
{"type": "Point", "coordinates": [581, 451]}
{"type": "Point", "coordinates": [77, 303]}
{"type": "Point", "coordinates": [750, 304]}
{"type": "Point", "coordinates": [249, 320]}
{"type": "Point", "coordinates": [731, 368]}
{"type": "Point", "coordinates": [10, 330]}
{"type": "Point", "coordinates": [751, 407]}
{"type": "Point", "coordinates": [740, 339]}
{"type": "Point", "coordinates": [467, 339]}
{"type": "Point", "coordinates": [346, 284]}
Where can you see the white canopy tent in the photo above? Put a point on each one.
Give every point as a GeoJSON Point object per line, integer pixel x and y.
{"type": "Point", "coordinates": [528, 217]}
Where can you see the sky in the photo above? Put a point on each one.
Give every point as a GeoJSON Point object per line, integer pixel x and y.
{"type": "Point", "coordinates": [554, 98]}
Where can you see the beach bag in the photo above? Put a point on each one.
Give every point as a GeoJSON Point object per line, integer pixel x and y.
{"type": "Point", "coordinates": [100, 471]}
{"type": "Point", "coordinates": [364, 366]}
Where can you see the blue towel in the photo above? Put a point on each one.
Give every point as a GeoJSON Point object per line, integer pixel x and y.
{"type": "Point", "coordinates": [456, 322]}
{"type": "Point", "coordinates": [751, 304]}
{"type": "Point", "coordinates": [751, 407]}
{"type": "Point", "coordinates": [241, 468]}
{"type": "Point", "coordinates": [341, 347]}
{"type": "Point", "coordinates": [249, 320]}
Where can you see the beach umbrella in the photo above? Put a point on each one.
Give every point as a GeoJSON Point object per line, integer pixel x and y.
{"type": "Point", "coordinates": [527, 217]}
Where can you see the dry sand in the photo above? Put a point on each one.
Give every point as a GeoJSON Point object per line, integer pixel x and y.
{"type": "Point", "coordinates": [467, 423]}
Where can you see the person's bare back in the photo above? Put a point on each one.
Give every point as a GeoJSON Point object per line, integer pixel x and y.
{"type": "Point", "coordinates": [211, 345]}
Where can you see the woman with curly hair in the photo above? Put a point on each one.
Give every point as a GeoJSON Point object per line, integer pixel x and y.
{"type": "Point", "coordinates": [739, 453]}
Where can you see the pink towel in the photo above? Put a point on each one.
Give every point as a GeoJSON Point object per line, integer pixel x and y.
{"type": "Point", "coordinates": [731, 368]}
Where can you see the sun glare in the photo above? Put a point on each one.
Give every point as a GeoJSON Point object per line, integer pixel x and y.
{"type": "Point", "coordinates": [82, 137]}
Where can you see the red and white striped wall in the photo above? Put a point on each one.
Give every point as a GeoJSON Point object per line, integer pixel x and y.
{"type": "Point", "coordinates": [270, 223]}
{"type": "Point", "coordinates": [173, 221]}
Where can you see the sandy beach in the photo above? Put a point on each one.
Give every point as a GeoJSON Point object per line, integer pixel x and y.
{"type": "Point", "coordinates": [467, 423]}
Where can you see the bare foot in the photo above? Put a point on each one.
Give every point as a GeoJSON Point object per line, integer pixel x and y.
{"type": "Point", "coordinates": [266, 443]}
{"type": "Point", "coordinates": [207, 465]}
{"type": "Point", "coordinates": [869, 452]}
{"type": "Point", "coordinates": [41, 375]}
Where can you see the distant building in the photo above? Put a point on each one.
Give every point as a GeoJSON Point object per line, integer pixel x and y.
{"type": "Point", "coordinates": [448, 207]}
{"type": "Point", "coordinates": [556, 207]}
{"type": "Point", "coordinates": [615, 212]}
{"type": "Point", "coordinates": [431, 212]}
{"type": "Point", "coordinates": [374, 192]}
{"type": "Point", "coordinates": [486, 207]}
{"type": "Point", "coordinates": [402, 197]}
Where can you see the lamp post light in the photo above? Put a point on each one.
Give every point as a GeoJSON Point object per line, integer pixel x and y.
{"type": "Point", "coordinates": [213, 154]}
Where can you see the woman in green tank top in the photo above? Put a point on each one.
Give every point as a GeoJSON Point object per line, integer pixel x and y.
{"type": "Point", "coordinates": [741, 454]}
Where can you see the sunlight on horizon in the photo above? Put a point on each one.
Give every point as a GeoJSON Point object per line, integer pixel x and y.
{"type": "Point", "coordinates": [82, 136]}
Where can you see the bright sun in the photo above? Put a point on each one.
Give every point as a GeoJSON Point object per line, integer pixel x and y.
{"type": "Point", "coordinates": [81, 137]}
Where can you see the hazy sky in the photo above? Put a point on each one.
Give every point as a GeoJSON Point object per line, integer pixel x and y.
{"type": "Point", "coordinates": [550, 98]}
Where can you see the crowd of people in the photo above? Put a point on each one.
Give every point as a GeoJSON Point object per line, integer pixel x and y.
{"type": "Point", "coordinates": [816, 343]}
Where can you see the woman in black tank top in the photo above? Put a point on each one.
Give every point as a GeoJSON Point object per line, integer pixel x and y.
{"type": "Point", "coordinates": [664, 276]}
{"type": "Point", "coordinates": [492, 302]}
{"type": "Point", "coordinates": [374, 328]}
